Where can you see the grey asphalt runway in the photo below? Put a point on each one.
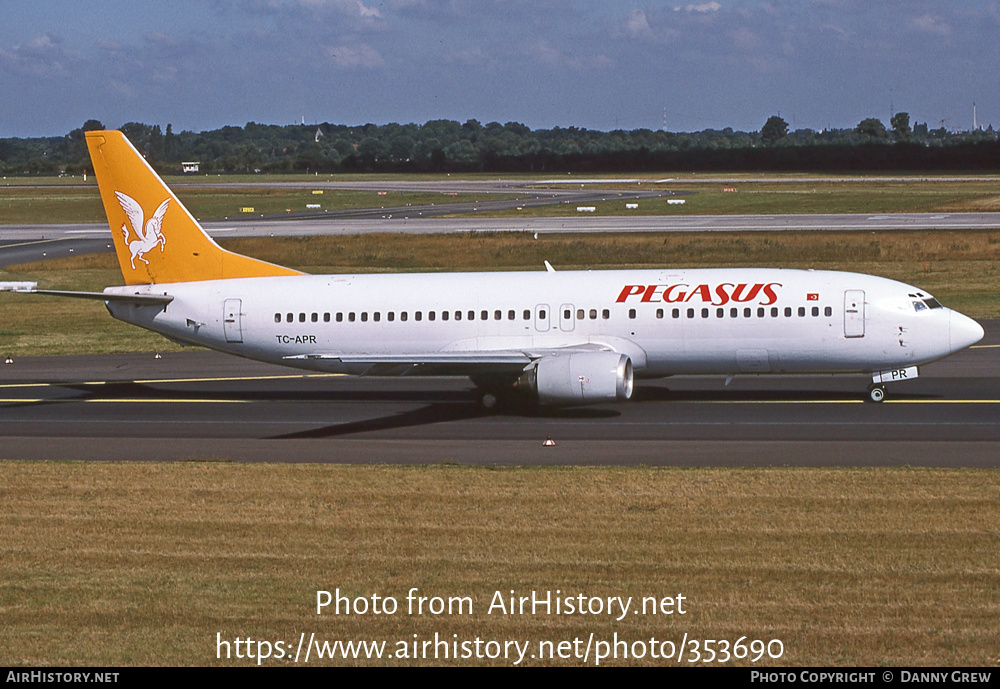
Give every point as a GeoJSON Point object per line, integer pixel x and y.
{"type": "Point", "coordinates": [201, 405]}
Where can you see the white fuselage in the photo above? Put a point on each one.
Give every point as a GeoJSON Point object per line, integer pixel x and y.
{"type": "Point", "coordinates": [706, 321]}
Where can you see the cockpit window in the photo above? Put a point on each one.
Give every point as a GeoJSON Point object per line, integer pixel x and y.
{"type": "Point", "coordinates": [932, 303]}
{"type": "Point", "coordinates": [919, 306]}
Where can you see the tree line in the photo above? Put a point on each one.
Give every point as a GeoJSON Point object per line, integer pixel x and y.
{"type": "Point", "coordinates": [450, 146]}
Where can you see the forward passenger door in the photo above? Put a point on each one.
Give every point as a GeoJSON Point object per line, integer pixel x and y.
{"type": "Point", "coordinates": [854, 313]}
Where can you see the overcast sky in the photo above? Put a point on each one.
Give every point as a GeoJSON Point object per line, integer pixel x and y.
{"type": "Point", "coordinates": [202, 64]}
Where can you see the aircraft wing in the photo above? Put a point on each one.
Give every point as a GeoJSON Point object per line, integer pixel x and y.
{"type": "Point", "coordinates": [468, 362]}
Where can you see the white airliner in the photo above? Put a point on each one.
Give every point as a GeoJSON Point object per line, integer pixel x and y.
{"type": "Point", "coordinates": [565, 338]}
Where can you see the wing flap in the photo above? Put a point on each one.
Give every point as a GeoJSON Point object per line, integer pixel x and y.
{"type": "Point", "coordinates": [445, 363]}
{"type": "Point", "coordinates": [484, 358]}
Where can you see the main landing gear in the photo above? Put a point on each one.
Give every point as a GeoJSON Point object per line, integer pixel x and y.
{"type": "Point", "coordinates": [876, 393]}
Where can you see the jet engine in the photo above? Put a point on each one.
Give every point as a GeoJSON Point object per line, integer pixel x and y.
{"type": "Point", "coordinates": [580, 378]}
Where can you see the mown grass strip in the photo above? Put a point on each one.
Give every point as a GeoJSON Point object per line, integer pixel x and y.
{"type": "Point", "coordinates": [118, 564]}
{"type": "Point", "coordinates": [45, 205]}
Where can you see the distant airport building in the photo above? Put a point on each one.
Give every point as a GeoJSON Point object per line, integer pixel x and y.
{"type": "Point", "coordinates": [191, 166]}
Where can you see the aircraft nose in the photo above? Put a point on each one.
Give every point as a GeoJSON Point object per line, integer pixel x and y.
{"type": "Point", "coordinates": [963, 331]}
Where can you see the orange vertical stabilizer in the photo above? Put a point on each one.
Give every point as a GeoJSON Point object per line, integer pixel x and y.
{"type": "Point", "coordinates": [156, 238]}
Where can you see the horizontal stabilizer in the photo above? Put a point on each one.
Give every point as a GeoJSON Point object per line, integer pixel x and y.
{"type": "Point", "coordinates": [18, 286]}
{"type": "Point", "coordinates": [32, 288]}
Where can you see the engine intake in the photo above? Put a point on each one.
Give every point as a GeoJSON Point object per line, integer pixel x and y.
{"type": "Point", "coordinates": [580, 378]}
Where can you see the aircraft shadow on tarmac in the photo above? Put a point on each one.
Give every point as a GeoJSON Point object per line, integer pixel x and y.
{"type": "Point", "coordinates": [440, 407]}
{"type": "Point", "coordinates": [444, 412]}
{"type": "Point", "coordinates": [431, 414]}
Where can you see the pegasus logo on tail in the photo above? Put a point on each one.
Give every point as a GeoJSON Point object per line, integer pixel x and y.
{"type": "Point", "coordinates": [147, 234]}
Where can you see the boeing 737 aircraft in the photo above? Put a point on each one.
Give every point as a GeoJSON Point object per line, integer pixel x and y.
{"type": "Point", "coordinates": [565, 338]}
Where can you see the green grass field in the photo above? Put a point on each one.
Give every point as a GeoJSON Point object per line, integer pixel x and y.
{"type": "Point", "coordinates": [39, 206]}
{"type": "Point", "coordinates": [763, 198]}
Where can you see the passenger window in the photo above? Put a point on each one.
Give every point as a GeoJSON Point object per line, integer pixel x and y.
{"type": "Point", "coordinates": [277, 318]}
{"type": "Point", "coordinates": [444, 315]}
{"type": "Point", "coordinates": [720, 313]}
{"type": "Point", "coordinates": [302, 318]}
{"type": "Point", "coordinates": [815, 311]}
{"type": "Point", "coordinates": [659, 313]}
{"type": "Point", "coordinates": [566, 314]}
{"type": "Point", "coordinates": [391, 316]}
{"type": "Point", "coordinates": [350, 316]}
{"type": "Point", "coordinates": [676, 313]}
{"type": "Point", "coordinates": [543, 314]}
{"type": "Point", "coordinates": [827, 311]}
{"type": "Point", "coordinates": [289, 318]}
{"type": "Point", "coordinates": [527, 315]}
{"type": "Point", "coordinates": [605, 314]}
{"type": "Point", "coordinates": [704, 313]}
{"type": "Point", "coordinates": [315, 318]}
{"type": "Point", "coordinates": [760, 312]}
{"type": "Point", "coordinates": [788, 312]}
{"type": "Point", "coordinates": [430, 316]}
{"type": "Point", "coordinates": [472, 315]}
{"type": "Point", "coordinates": [326, 317]}
{"type": "Point", "coordinates": [747, 311]}
{"type": "Point", "coordinates": [364, 316]}
{"type": "Point", "coordinates": [593, 314]}
{"type": "Point", "coordinates": [377, 316]}
{"type": "Point", "coordinates": [458, 315]}
{"type": "Point", "coordinates": [774, 312]}
{"type": "Point", "coordinates": [510, 315]}
{"type": "Point", "coordinates": [402, 316]}
{"type": "Point", "coordinates": [734, 313]}
{"type": "Point", "coordinates": [802, 311]}
{"type": "Point", "coordinates": [579, 314]}
{"type": "Point", "coordinates": [690, 313]}
{"type": "Point", "coordinates": [497, 315]}
{"type": "Point", "coordinates": [340, 316]}
{"type": "Point", "coordinates": [631, 313]}
{"type": "Point", "coordinates": [484, 315]}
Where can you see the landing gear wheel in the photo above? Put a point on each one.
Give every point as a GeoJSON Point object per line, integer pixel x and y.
{"type": "Point", "coordinates": [876, 393]}
{"type": "Point", "coordinates": [488, 400]}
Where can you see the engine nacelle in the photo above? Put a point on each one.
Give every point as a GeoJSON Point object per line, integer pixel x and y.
{"type": "Point", "coordinates": [581, 378]}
